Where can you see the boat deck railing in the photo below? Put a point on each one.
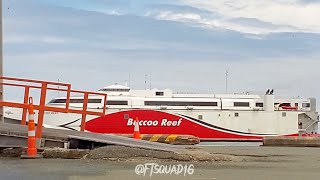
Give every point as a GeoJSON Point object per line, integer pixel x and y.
{"type": "Point", "coordinates": [42, 106]}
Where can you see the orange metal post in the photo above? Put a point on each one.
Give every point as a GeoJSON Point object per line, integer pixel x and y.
{"type": "Point", "coordinates": [41, 108]}
{"type": "Point", "coordinates": [24, 112]}
{"type": "Point", "coordinates": [104, 105]}
{"type": "Point", "coordinates": [68, 96]}
{"type": "Point", "coordinates": [84, 111]}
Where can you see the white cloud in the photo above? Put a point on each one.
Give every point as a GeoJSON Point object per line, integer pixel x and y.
{"type": "Point", "coordinates": [16, 39]}
{"type": "Point", "coordinates": [24, 38]}
{"type": "Point", "coordinates": [53, 40]}
{"type": "Point", "coordinates": [179, 16]}
{"type": "Point", "coordinates": [115, 12]}
{"type": "Point", "coordinates": [221, 23]}
{"type": "Point", "coordinates": [289, 15]}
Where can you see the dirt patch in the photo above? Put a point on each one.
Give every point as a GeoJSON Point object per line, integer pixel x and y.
{"type": "Point", "coordinates": [109, 152]}
{"type": "Point", "coordinates": [12, 152]}
{"type": "Point", "coordinates": [65, 153]}
{"type": "Point", "coordinates": [126, 153]}
{"type": "Point", "coordinates": [208, 157]}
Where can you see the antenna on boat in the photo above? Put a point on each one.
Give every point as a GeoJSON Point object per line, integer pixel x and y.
{"type": "Point", "coordinates": [227, 76]}
{"type": "Point", "coordinates": [150, 80]}
{"type": "Point", "coordinates": [129, 81]}
{"type": "Point", "coordinates": [58, 88]}
{"type": "Point", "coordinates": [145, 81]}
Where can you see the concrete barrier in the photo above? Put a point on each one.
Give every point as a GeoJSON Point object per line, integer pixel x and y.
{"type": "Point", "coordinates": [292, 141]}
{"type": "Point", "coordinates": [168, 138]}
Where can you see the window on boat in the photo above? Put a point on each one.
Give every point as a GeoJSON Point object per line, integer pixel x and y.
{"type": "Point", "coordinates": [117, 102]}
{"type": "Point", "coordinates": [236, 114]}
{"type": "Point", "coordinates": [81, 100]}
{"type": "Point", "coordinates": [75, 101]}
{"type": "Point", "coordinates": [200, 116]}
{"type": "Point", "coordinates": [116, 90]}
{"type": "Point", "coordinates": [306, 105]}
{"type": "Point", "coordinates": [258, 104]}
{"type": "Point", "coordinates": [241, 104]}
{"type": "Point", "coordinates": [284, 114]}
{"type": "Point", "coordinates": [285, 104]}
{"type": "Point", "coordinates": [159, 93]}
{"type": "Point", "coordinates": [94, 100]}
{"type": "Point", "coordinates": [296, 104]}
{"type": "Point", "coordinates": [179, 103]}
{"type": "Point", "coordinates": [58, 101]}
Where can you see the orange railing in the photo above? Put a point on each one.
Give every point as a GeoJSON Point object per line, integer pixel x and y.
{"type": "Point", "coordinates": [44, 86]}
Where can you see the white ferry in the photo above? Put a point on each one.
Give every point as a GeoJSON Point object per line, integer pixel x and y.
{"type": "Point", "coordinates": [226, 117]}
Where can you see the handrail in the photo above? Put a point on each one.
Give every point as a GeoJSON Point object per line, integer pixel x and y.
{"type": "Point", "coordinates": [56, 89]}
{"type": "Point", "coordinates": [312, 123]}
{"type": "Point", "coordinates": [42, 107]}
{"type": "Point", "coordinates": [33, 81]}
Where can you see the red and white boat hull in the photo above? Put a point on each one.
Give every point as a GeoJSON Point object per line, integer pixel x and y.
{"type": "Point", "coordinates": [159, 122]}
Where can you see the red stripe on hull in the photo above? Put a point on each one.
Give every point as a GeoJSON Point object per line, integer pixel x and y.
{"type": "Point", "coordinates": [157, 122]}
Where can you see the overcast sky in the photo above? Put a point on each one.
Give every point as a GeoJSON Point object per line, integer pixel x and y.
{"type": "Point", "coordinates": [186, 45]}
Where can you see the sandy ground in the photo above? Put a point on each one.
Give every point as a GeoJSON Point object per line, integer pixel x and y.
{"type": "Point", "coordinates": [258, 163]}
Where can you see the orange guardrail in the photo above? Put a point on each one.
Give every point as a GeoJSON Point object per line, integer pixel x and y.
{"type": "Point", "coordinates": [44, 86]}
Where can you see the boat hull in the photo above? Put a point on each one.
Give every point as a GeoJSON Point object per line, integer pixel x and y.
{"type": "Point", "coordinates": [159, 122]}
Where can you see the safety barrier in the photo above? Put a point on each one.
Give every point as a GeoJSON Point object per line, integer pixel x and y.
{"type": "Point", "coordinates": [136, 131]}
{"type": "Point", "coordinates": [44, 86]}
{"type": "Point", "coordinates": [32, 149]}
{"type": "Point", "coordinates": [32, 142]}
{"type": "Point", "coordinates": [176, 139]}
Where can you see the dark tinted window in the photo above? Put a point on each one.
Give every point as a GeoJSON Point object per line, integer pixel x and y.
{"type": "Point", "coordinates": [179, 103]}
{"type": "Point", "coordinates": [117, 102]}
{"type": "Point", "coordinates": [159, 93]}
{"type": "Point", "coordinates": [75, 101]}
{"type": "Point", "coordinates": [241, 104]}
{"type": "Point", "coordinates": [306, 105]}
{"type": "Point", "coordinates": [94, 100]}
{"type": "Point", "coordinates": [285, 104]}
{"type": "Point", "coordinates": [259, 104]}
{"type": "Point", "coordinates": [284, 114]}
{"type": "Point", "coordinates": [58, 101]}
{"type": "Point", "coordinates": [117, 90]}
{"type": "Point", "coordinates": [81, 100]}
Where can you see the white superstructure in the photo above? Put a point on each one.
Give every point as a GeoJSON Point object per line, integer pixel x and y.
{"type": "Point", "coordinates": [256, 115]}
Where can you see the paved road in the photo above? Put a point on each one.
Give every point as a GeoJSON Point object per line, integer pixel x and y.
{"type": "Point", "coordinates": [263, 163]}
